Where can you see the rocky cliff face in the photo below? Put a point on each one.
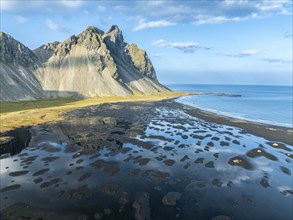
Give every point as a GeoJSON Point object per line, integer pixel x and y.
{"type": "Point", "coordinates": [141, 61]}
{"type": "Point", "coordinates": [18, 65]}
{"type": "Point", "coordinates": [95, 63]}
{"type": "Point", "coordinates": [46, 51]}
{"type": "Point", "coordinates": [92, 63]}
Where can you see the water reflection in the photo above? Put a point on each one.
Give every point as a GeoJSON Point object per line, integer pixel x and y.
{"type": "Point", "coordinates": [14, 141]}
{"type": "Point", "coordinates": [137, 161]}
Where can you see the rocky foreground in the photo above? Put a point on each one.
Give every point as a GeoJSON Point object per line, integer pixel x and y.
{"type": "Point", "coordinates": [144, 160]}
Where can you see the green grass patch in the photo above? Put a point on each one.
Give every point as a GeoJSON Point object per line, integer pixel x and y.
{"type": "Point", "coordinates": [6, 107]}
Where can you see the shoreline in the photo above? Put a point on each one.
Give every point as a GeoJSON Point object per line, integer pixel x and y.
{"type": "Point", "coordinates": [267, 131]}
{"type": "Point", "coordinates": [36, 117]}
{"type": "Point", "coordinates": [227, 115]}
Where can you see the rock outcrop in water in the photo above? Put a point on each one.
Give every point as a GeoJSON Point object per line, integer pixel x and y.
{"type": "Point", "coordinates": [92, 63]}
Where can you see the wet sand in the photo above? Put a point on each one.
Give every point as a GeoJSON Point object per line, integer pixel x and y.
{"type": "Point", "coordinates": [147, 160]}
{"type": "Point", "coordinates": [271, 132]}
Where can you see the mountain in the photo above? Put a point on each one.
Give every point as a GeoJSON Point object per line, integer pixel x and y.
{"type": "Point", "coordinates": [92, 63]}
{"type": "Point", "coordinates": [95, 63]}
{"type": "Point", "coordinates": [18, 65]}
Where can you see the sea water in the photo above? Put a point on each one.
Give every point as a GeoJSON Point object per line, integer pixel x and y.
{"type": "Point", "coordinates": [267, 104]}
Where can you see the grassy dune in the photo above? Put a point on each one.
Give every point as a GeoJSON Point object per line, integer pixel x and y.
{"type": "Point", "coordinates": [30, 113]}
{"type": "Point", "coordinates": [6, 107]}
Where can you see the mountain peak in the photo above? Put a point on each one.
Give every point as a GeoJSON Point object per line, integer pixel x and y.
{"type": "Point", "coordinates": [14, 51]}
{"type": "Point", "coordinates": [5, 38]}
{"type": "Point", "coordinates": [51, 46]}
{"type": "Point", "coordinates": [114, 36]}
{"type": "Point", "coordinates": [93, 29]}
{"type": "Point", "coordinates": [92, 63]}
{"type": "Point", "coordinates": [114, 28]}
{"type": "Point", "coordinates": [2, 34]}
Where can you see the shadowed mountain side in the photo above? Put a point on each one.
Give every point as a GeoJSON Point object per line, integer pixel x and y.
{"type": "Point", "coordinates": [18, 64]}
{"type": "Point", "coordinates": [95, 63]}
{"type": "Point", "coordinates": [46, 51]}
{"type": "Point", "coordinates": [92, 63]}
{"type": "Point", "coordinates": [18, 83]}
{"type": "Point", "coordinates": [64, 94]}
{"type": "Point", "coordinates": [79, 74]}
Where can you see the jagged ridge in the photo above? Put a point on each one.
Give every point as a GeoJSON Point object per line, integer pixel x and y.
{"type": "Point", "coordinates": [97, 63]}
{"type": "Point", "coordinates": [92, 63]}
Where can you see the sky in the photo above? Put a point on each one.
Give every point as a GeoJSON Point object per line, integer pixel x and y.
{"type": "Point", "coordinates": [194, 42]}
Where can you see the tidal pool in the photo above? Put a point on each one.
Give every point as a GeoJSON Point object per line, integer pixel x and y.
{"type": "Point", "coordinates": [143, 161]}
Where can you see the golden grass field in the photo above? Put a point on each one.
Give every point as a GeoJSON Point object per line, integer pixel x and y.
{"type": "Point", "coordinates": [31, 113]}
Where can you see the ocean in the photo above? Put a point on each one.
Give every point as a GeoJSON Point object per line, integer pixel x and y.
{"type": "Point", "coordinates": [267, 104]}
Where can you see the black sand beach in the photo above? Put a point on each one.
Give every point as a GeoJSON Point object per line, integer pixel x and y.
{"type": "Point", "coordinates": [147, 160]}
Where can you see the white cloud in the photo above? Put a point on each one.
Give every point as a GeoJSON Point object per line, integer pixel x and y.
{"type": "Point", "coordinates": [278, 61]}
{"type": "Point", "coordinates": [206, 19]}
{"type": "Point", "coordinates": [152, 24]}
{"type": "Point", "coordinates": [158, 55]}
{"type": "Point", "coordinates": [52, 25]}
{"type": "Point", "coordinates": [186, 47]}
{"type": "Point", "coordinates": [6, 5]}
{"type": "Point", "coordinates": [155, 3]}
{"type": "Point", "coordinates": [161, 13]}
{"type": "Point", "coordinates": [270, 7]}
{"type": "Point", "coordinates": [274, 6]}
{"type": "Point", "coordinates": [233, 2]}
{"type": "Point", "coordinates": [253, 52]}
{"type": "Point", "coordinates": [248, 52]}
{"type": "Point", "coordinates": [71, 3]}
{"type": "Point", "coordinates": [21, 19]}
{"type": "Point", "coordinates": [213, 12]}
{"type": "Point", "coordinates": [101, 8]}
{"type": "Point", "coordinates": [287, 34]}
{"type": "Point", "coordinates": [41, 6]}
{"type": "Point", "coordinates": [16, 6]}
{"type": "Point", "coordinates": [244, 53]}
{"type": "Point", "coordinates": [55, 27]}
{"type": "Point", "coordinates": [285, 190]}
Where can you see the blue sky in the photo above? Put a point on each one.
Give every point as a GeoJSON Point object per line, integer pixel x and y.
{"type": "Point", "coordinates": [211, 42]}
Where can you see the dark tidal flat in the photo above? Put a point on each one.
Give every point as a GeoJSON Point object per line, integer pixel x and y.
{"type": "Point", "coordinates": [144, 160]}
